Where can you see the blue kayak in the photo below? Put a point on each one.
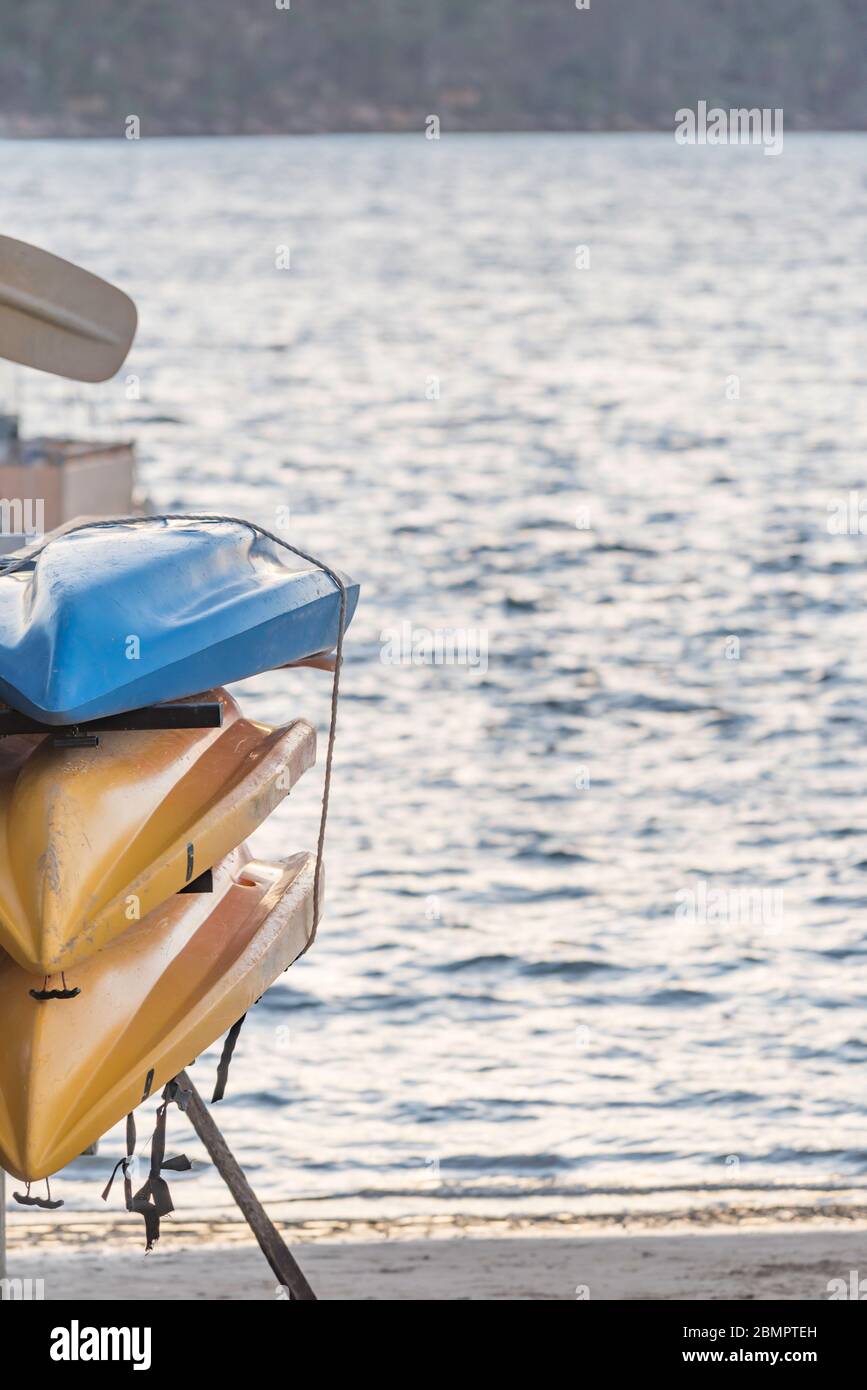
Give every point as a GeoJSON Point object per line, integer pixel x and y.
{"type": "Point", "coordinates": [110, 618]}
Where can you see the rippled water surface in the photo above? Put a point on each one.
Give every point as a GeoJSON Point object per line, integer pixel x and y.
{"type": "Point", "coordinates": [622, 475]}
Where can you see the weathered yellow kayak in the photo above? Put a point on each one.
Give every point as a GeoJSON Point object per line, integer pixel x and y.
{"type": "Point", "coordinates": [92, 839]}
{"type": "Point", "coordinates": [150, 1003]}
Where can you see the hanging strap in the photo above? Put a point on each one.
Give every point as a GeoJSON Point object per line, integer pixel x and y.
{"type": "Point", "coordinates": [225, 1060]}
{"type": "Point", "coordinates": [128, 1157]}
{"type": "Point", "coordinates": [153, 1200]}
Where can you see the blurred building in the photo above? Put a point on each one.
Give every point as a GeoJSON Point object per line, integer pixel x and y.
{"type": "Point", "coordinates": [45, 482]}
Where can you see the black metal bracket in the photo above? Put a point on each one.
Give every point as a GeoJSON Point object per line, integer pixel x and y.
{"type": "Point", "coordinates": [74, 739]}
{"type": "Point", "coordinates": [203, 884]}
{"type": "Point", "coordinates": [180, 714]}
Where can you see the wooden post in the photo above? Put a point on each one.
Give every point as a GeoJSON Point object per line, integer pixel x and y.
{"type": "Point", "coordinates": [271, 1243]}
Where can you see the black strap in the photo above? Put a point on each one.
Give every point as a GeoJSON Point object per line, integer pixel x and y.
{"type": "Point", "coordinates": [225, 1059]}
{"type": "Point", "coordinates": [127, 1159]}
{"type": "Point", "coordinates": [153, 1200]}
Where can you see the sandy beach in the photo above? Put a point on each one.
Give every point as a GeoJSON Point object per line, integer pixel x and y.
{"type": "Point", "coordinates": [744, 1264]}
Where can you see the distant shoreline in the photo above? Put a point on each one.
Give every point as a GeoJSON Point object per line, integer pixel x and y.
{"type": "Point", "coordinates": [20, 127]}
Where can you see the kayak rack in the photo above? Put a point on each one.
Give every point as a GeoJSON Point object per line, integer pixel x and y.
{"type": "Point", "coordinates": [196, 715]}
{"type": "Point", "coordinates": [179, 714]}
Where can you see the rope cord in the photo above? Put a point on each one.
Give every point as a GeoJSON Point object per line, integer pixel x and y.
{"type": "Point", "coordinates": [11, 566]}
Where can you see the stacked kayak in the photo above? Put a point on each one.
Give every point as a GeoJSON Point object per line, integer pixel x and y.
{"type": "Point", "coordinates": [135, 925]}
{"type": "Point", "coordinates": [93, 838]}
{"type": "Point", "coordinates": [148, 1004]}
{"type": "Point", "coordinates": [107, 618]}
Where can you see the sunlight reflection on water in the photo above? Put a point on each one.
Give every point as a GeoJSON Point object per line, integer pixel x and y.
{"type": "Point", "coordinates": [501, 1003]}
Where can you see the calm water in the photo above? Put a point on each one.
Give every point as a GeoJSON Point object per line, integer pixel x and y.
{"type": "Point", "coordinates": [503, 1010]}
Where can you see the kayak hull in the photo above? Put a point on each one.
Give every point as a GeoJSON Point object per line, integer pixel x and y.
{"type": "Point", "coordinates": [150, 1003]}
{"type": "Point", "coordinates": [117, 617]}
{"type": "Point", "coordinates": [93, 839]}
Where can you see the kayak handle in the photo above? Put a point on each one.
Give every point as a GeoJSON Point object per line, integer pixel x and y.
{"type": "Point", "coordinates": [41, 995]}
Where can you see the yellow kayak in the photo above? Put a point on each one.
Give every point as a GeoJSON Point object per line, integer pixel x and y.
{"type": "Point", "coordinates": [149, 1004]}
{"type": "Point", "coordinates": [92, 839]}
